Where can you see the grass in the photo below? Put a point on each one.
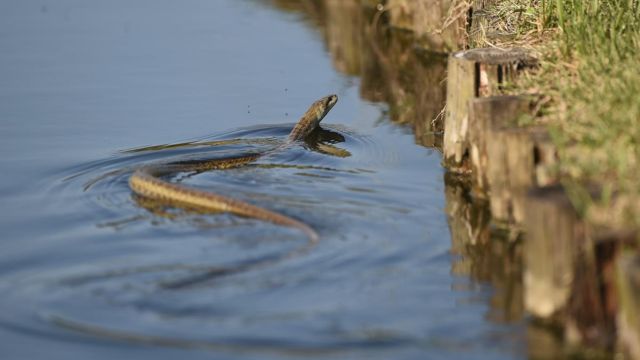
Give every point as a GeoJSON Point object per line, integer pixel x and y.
{"type": "Point", "coordinates": [590, 76]}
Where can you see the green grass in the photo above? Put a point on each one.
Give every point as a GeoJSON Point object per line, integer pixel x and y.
{"type": "Point", "coordinates": [590, 70]}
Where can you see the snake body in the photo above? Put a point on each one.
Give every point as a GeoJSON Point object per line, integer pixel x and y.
{"type": "Point", "coordinates": [146, 181]}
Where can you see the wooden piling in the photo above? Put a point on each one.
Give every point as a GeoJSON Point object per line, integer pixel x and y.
{"type": "Point", "coordinates": [590, 316]}
{"type": "Point", "coordinates": [471, 74]}
{"type": "Point", "coordinates": [488, 115]}
{"type": "Point", "coordinates": [628, 281]}
{"type": "Point", "coordinates": [461, 88]}
{"type": "Point", "coordinates": [520, 158]}
{"type": "Point", "coordinates": [545, 157]}
{"type": "Point", "coordinates": [510, 173]}
{"type": "Point", "coordinates": [570, 272]}
{"type": "Point", "coordinates": [554, 234]}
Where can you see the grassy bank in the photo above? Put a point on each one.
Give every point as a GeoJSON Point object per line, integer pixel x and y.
{"type": "Point", "coordinates": [590, 82]}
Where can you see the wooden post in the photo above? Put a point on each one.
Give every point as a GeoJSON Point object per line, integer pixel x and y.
{"type": "Point", "coordinates": [516, 165]}
{"type": "Point", "coordinates": [461, 88]}
{"type": "Point", "coordinates": [571, 270]}
{"type": "Point", "coordinates": [510, 173]}
{"type": "Point", "coordinates": [488, 115]}
{"type": "Point", "coordinates": [506, 160]}
{"type": "Point", "coordinates": [545, 156]}
{"type": "Point", "coordinates": [628, 281]}
{"type": "Point", "coordinates": [474, 73]}
{"type": "Point", "coordinates": [592, 308]}
{"type": "Point", "coordinates": [554, 234]}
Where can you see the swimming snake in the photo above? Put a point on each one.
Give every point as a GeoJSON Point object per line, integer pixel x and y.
{"type": "Point", "coordinates": [147, 182]}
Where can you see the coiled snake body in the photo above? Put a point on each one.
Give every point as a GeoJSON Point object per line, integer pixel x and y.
{"type": "Point", "coordinates": [147, 183]}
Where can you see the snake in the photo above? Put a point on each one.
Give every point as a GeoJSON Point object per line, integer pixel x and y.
{"type": "Point", "coordinates": [148, 181]}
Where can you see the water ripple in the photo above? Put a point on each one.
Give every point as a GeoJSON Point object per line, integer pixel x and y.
{"type": "Point", "coordinates": [153, 264]}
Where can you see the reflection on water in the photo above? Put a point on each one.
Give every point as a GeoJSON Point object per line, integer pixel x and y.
{"type": "Point", "coordinates": [485, 254]}
{"type": "Point", "coordinates": [492, 256]}
{"type": "Point", "coordinates": [392, 67]}
{"type": "Point", "coordinates": [408, 75]}
{"type": "Point", "coordinates": [396, 69]}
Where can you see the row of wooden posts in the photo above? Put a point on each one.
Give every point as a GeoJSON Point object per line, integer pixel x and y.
{"type": "Point", "coordinates": [582, 278]}
{"type": "Point", "coordinates": [578, 277]}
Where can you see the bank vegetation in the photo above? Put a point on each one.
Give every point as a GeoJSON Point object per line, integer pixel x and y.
{"type": "Point", "coordinates": [588, 85]}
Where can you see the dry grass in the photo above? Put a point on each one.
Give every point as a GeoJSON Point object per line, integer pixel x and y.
{"type": "Point", "coordinates": [589, 76]}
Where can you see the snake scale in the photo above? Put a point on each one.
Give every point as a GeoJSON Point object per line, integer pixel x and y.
{"type": "Point", "coordinates": [148, 183]}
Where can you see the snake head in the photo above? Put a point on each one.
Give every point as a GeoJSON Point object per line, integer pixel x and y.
{"type": "Point", "coordinates": [311, 119]}
{"type": "Point", "coordinates": [324, 105]}
{"type": "Point", "coordinates": [330, 101]}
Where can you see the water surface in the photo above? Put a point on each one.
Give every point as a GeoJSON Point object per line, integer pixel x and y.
{"type": "Point", "coordinates": [90, 90]}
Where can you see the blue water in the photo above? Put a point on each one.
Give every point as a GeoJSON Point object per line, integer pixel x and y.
{"type": "Point", "coordinates": [87, 86]}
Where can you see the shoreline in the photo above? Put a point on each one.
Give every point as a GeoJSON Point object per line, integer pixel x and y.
{"type": "Point", "coordinates": [539, 127]}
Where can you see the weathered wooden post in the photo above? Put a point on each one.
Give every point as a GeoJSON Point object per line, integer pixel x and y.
{"type": "Point", "coordinates": [590, 316]}
{"type": "Point", "coordinates": [488, 115]}
{"type": "Point", "coordinates": [462, 86]}
{"type": "Point", "coordinates": [518, 159]}
{"type": "Point", "coordinates": [569, 271]}
{"type": "Point", "coordinates": [510, 173]}
{"type": "Point", "coordinates": [474, 73]}
{"type": "Point", "coordinates": [554, 234]}
{"type": "Point", "coordinates": [628, 281]}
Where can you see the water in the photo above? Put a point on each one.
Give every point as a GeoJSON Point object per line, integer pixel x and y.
{"type": "Point", "coordinates": [90, 90]}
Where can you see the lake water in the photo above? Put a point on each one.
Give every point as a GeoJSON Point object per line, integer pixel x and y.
{"type": "Point", "coordinates": [89, 90]}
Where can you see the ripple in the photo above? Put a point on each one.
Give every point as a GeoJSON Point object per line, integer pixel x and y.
{"type": "Point", "coordinates": [150, 266]}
